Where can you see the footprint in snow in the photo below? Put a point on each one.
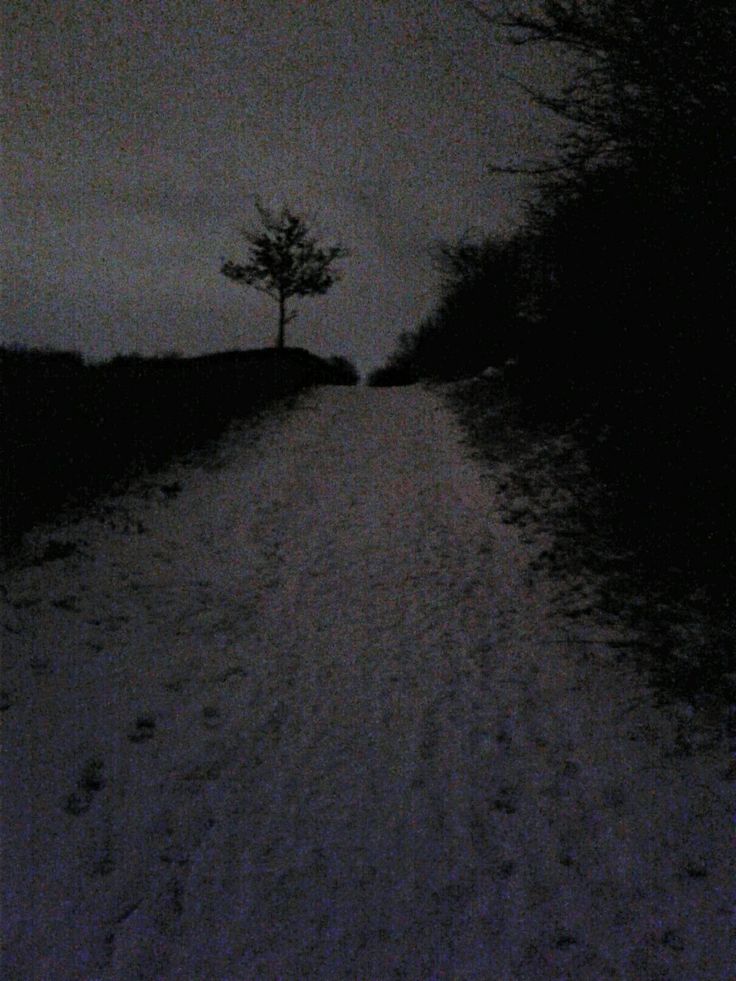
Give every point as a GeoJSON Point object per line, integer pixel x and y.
{"type": "Point", "coordinates": [90, 782]}
{"type": "Point", "coordinates": [211, 716]}
{"type": "Point", "coordinates": [145, 729]}
{"type": "Point", "coordinates": [65, 603]}
{"type": "Point", "coordinates": [506, 799]}
{"type": "Point", "coordinates": [232, 674]}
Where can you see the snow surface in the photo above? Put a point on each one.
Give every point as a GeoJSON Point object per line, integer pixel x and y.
{"type": "Point", "coordinates": [308, 719]}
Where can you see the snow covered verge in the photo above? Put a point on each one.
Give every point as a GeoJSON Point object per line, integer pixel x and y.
{"type": "Point", "coordinates": [304, 716]}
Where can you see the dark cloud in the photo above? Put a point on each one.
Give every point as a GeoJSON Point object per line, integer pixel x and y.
{"type": "Point", "coordinates": [138, 132]}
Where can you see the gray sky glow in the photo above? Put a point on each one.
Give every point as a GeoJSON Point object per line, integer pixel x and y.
{"type": "Point", "coordinates": [137, 133]}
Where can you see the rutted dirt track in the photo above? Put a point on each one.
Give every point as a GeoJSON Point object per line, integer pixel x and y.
{"type": "Point", "coordinates": [307, 719]}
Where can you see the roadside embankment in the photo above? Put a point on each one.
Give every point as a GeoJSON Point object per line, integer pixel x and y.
{"type": "Point", "coordinates": [73, 430]}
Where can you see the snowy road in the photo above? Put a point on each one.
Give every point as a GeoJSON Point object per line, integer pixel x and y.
{"type": "Point", "coordinates": [307, 719]}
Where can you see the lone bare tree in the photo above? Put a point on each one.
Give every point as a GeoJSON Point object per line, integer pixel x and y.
{"type": "Point", "coordinates": [285, 260]}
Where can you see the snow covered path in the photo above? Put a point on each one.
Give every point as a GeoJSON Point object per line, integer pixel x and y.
{"type": "Point", "coordinates": [306, 719]}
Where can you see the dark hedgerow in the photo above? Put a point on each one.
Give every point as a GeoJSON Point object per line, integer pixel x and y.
{"type": "Point", "coordinates": [72, 430]}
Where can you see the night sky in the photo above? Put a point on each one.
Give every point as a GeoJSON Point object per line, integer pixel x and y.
{"type": "Point", "coordinates": [137, 134]}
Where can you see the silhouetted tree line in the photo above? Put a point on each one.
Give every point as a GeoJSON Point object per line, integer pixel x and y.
{"type": "Point", "coordinates": [617, 294]}
{"type": "Point", "coordinates": [72, 430]}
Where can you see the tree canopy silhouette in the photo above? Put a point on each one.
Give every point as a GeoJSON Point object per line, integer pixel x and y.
{"type": "Point", "coordinates": [285, 260]}
{"type": "Point", "coordinates": [645, 81]}
{"type": "Point", "coordinates": [615, 296]}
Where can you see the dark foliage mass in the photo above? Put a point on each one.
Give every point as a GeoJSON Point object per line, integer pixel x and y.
{"type": "Point", "coordinates": [616, 295]}
{"type": "Point", "coordinates": [73, 430]}
{"type": "Point", "coordinates": [673, 600]}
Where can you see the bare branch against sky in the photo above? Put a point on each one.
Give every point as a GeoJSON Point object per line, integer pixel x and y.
{"type": "Point", "coordinates": [138, 133]}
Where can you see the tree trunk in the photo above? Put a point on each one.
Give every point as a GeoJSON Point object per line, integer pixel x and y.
{"type": "Point", "coordinates": [282, 322]}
